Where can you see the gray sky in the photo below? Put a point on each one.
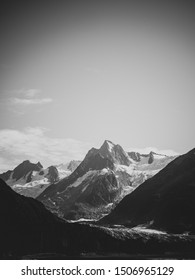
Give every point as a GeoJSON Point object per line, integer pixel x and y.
{"type": "Point", "coordinates": [74, 73]}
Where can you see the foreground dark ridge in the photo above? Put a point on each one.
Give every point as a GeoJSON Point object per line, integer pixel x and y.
{"type": "Point", "coordinates": [166, 201]}
{"type": "Point", "coordinates": [27, 228]}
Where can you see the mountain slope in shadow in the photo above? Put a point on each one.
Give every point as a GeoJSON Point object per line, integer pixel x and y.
{"type": "Point", "coordinates": [29, 231]}
{"type": "Point", "coordinates": [165, 201]}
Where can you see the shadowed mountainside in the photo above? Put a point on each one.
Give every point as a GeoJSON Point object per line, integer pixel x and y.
{"type": "Point", "coordinates": [29, 231]}
{"type": "Point", "coordinates": [165, 201]}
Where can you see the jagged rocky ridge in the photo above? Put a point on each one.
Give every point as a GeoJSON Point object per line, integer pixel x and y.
{"type": "Point", "coordinates": [101, 180]}
{"type": "Point", "coordinates": [30, 179]}
{"type": "Point", "coordinates": [23, 169]}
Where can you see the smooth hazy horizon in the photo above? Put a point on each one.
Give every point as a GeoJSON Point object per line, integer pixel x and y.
{"type": "Point", "coordinates": [74, 73]}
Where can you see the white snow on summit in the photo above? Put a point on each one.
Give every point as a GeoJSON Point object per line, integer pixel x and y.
{"type": "Point", "coordinates": [110, 145]}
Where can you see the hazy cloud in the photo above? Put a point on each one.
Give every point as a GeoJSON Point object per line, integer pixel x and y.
{"type": "Point", "coordinates": [35, 145]}
{"type": "Point", "coordinates": [30, 93]}
{"type": "Point", "coordinates": [27, 97]}
{"type": "Point", "coordinates": [29, 101]}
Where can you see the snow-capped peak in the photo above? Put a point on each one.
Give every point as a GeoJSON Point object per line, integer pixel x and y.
{"type": "Point", "coordinates": [114, 153]}
{"type": "Point", "coordinates": [107, 145]}
{"type": "Point", "coordinates": [110, 145]}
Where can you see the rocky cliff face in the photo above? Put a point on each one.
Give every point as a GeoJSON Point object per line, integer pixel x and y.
{"type": "Point", "coordinates": [52, 174]}
{"type": "Point", "coordinates": [115, 153]}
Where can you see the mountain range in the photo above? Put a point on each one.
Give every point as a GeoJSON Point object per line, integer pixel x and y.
{"type": "Point", "coordinates": [100, 182]}
{"type": "Point", "coordinates": [30, 179]}
{"type": "Point", "coordinates": [142, 204]}
{"type": "Point", "coordinates": [87, 189]}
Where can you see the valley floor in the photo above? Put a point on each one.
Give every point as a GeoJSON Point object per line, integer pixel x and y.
{"type": "Point", "coordinates": [137, 243]}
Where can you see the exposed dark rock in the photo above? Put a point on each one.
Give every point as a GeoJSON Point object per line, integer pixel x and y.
{"type": "Point", "coordinates": [151, 158]}
{"type": "Point", "coordinates": [53, 174]}
{"type": "Point", "coordinates": [135, 156]}
{"type": "Point", "coordinates": [29, 177]}
{"type": "Point", "coordinates": [115, 153]}
{"type": "Point", "coordinates": [24, 168]}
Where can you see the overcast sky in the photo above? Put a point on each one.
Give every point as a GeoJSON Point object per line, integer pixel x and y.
{"type": "Point", "coordinates": [74, 73]}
